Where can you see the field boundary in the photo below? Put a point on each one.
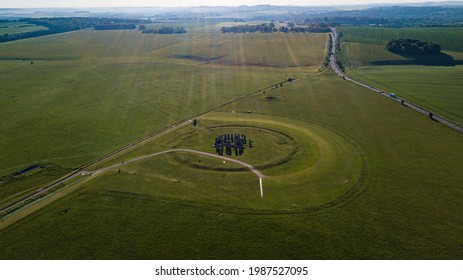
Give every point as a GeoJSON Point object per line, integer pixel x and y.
{"type": "Point", "coordinates": [405, 102]}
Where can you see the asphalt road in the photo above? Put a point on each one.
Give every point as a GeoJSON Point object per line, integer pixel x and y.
{"type": "Point", "coordinates": [403, 101]}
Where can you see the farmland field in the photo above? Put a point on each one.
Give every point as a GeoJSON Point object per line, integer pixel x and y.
{"type": "Point", "coordinates": [18, 27]}
{"type": "Point", "coordinates": [437, 88]}
{"type": "Point", "coordinates": [349, 174]}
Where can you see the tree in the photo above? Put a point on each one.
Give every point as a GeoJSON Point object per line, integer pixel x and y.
{"type": "Point", "coordinates": [412, 47]}
{"type": "Point", "coordinates": [165, 30]}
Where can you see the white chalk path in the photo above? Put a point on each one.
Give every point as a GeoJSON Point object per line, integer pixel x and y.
{"type": "Point", "coordinates": [76, 173]}
{"type": "Point", "coordinates": [252, 168]}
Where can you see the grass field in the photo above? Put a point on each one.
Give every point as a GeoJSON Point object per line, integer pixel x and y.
{"type": "Point", "coordinates": [406, 207]}
{"type": "Point", "coordinates": [437, 88]}
{"type": "Point", "coordinates": [89, 92]}
{"type": "Point", "coordinates": [448, 37]}
{"type": "Point", "coordinates": [351, 175]}
{"type": "Point", "coordinates": [18, 27]}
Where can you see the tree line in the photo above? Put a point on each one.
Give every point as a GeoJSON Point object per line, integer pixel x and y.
{"type": "Point", "coordinates": [66, 24]}
{"type": "Point", "coordinates": [163, 30]}
{"type": "Point", "coordinates": [262, 28]}
{"type": "Point", "coordinates": [413, 47]}
{"type": "Point", "coordinates": [270, 28]}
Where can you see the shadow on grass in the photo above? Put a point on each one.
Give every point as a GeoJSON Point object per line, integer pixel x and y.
{"type": "Point", "coordinates": [440, 59]}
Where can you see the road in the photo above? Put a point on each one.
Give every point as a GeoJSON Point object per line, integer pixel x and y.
{"type": "Point", "coordinates": [403, 101]}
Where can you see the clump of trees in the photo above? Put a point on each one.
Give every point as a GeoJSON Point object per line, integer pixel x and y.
{"type": "Point", "coordinates": [164, 30]}
{"type": "Point", "coordinates": [314, 28]}
{"type": "Point", "coordinates": [413, 47]}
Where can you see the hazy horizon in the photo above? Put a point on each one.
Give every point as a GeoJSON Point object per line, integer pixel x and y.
{"type": "Point", "coordinates": [183, 3]}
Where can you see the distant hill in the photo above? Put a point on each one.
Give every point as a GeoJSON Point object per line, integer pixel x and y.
{"type": "Point", "coordinates": [448, 13]}
{"type": "Point", "coordinates": [395, 16]}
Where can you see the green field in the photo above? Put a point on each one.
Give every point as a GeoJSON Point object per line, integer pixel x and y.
{"type": "Point", "coordinates": [89, 92]}
{"type": "Point", "coordinates": [406, 207]}
{"type": "Point", "coordinates": [350, 174]}
{"type": "Point", "coordinates": [449, 38]}
{"type": "Point", "coordinates": [437, 88]}
{"type": "Point", "coordinates": [18, 27]}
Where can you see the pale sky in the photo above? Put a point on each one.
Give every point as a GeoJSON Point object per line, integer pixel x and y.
{"type": "Point", "coordinates": [183, 3]}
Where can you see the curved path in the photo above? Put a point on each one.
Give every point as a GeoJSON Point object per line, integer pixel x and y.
{"type": "Point", "coordinates": [405, 102]}
{"type": "Point", "coordinates": [252, 168]}
{"type": "Point", "coordinates": [77, 173]}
